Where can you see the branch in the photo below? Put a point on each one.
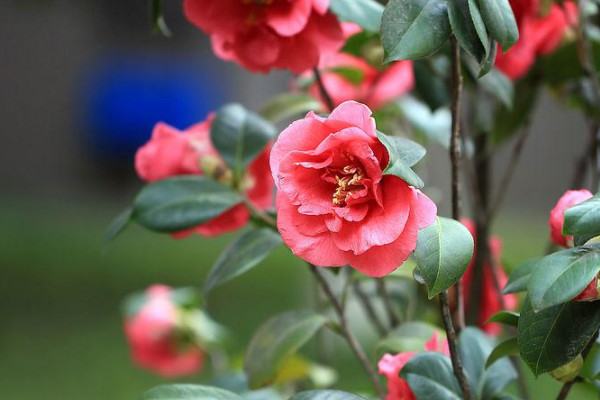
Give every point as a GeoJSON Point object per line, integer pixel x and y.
{"type": "Point", "coordinates": [323, 90]}
{"type": "Point", "coordinates": [346, 332]}
{"type": "Point", "coordinates": [393, 317]}
{"type": "Point", "coordinates": [369, 310]}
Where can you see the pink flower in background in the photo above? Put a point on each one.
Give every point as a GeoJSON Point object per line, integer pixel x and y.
{"type": "Point", "coordinates": [489, 303]}
{"type": "Point", "coordinates": [557, 215]}
{"type": "Point", "coordinates": [152, 337]}
{"type": "Point", "coordinates": [264, 34]}
{"type": "Point", "coordinates": [335, 206]}
{"type": "Point", "coordinates": [590, 293]}
{"type": "Point", "coordinates": [391, 365]}
{"type": "Point", "coordinates": [171, 152]}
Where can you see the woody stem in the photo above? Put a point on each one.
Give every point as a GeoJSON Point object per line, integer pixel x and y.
{"type": "Point", "coordinates": [323, 90]}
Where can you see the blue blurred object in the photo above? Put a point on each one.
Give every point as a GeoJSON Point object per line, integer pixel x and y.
{"type": "Point", "coordinates": [126, 96]}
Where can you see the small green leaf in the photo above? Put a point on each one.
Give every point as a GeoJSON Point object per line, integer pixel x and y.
{"type": "Point", "coordinates": [365, 13]}
{"type": "Point", "coordinates": [500, 22]}
{"type": "Point", "coordinates": [239, 136]}
{"type": "Point", "coordinates": [403, 154]}
{"type": "Point", "coordinates": [118, 225]}
{"type": "Point", "coordinates": [179, 203]}
{"type": "Point", "coordinates": [554, 336]}
{"type": "Point", "coordinates": [414, 29]}
{"type": "Point", "coordinates": [561, 276]}
{"type": "Point", "coordinates": [326, 395]}
{"type": "Point", "coordinates": [157, 18]}
{"type": "Point", "coordinates": [242, 255]}
{"type": "Point", "coordinates": [277, 340]}
{"type": "Point", "coordinates": [443, 253]}
{"type": "Point", "coordinates": [430, 376]}
{"type": "Point", "coordinates": [583, 218]}
{"type": "Point", "coordinates": [487, 64]}
{"type": "Point", "coordinates": [353, 75]}
{"type": "Point", "coordinates": [517, 282]}
{"type": "Point", "coordinates": [480, 26]}
{"type": "Point", "coordinates": [410, 336]}
{"type": "Point", "coordinates": [289, 105]}
{"type": "Point", "coordinates": [510, 318]}
{"type": "Point", "coordinates": [463, 27]}
{"type": "Point", "coordinates": [509, 347]}
{"type": "Point", "coordinates": [188, 392]}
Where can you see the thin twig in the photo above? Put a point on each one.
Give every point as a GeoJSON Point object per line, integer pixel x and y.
{"type": "Point", "coordinates": [346, 332]}
{"type": "Point", "coordinates": [369, 310]}
{"type": "Point", "coordinates": [324, 94]}
{"type": "Point", "coordinates": [393, 317]}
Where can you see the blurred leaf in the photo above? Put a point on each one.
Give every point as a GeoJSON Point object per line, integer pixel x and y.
{"type": "Point", "coordinates": [357, 42]}
{"type": "Point", "coordinates": [518, 279]}
{"type": "Point", "coordinates": [159, 24]}
{"type": "Point", "coordinates": [289, 105]}
{"type": "Point", "coordinates": [509, 318]}
{"type": "Point", "coordinates": [430, 376]}
{"type": "Point", "coordinates": [507, 120]}
{"type": "Point", "coordinates": [509, 347]}
{"type": "Point", "coordinates": [239, 136]}
{"type": "Point", "coordinates": [498, 85]}
{"type": "Point", "coordinates": [277, 340]}
{"type": "Point", "coordinates": [591, 367]}
{"type": "Point", "coordinates": [414, 29]}
{"type": "Point", "coordinates": [403, 154]}
{"type": "Point", "coordinates": [561, 276]}
{"type": "Point", "coordinates": [179, 203]}
{"type": "Point", "coordinates": [554, 336]}
{"type": "Point", "coordinates": [118, 225]}
{"type": "Point", "coordinates": [325, 395]}
{"type": "Point", "coordinates": [430, 86]}
{"type": "Point", "coordinates": [443, 253]}
{"type": "Point", "coordinates": [188, 392]}
{"type": "Point", "coordinates": [435, 126]}
{"type": "Point", "coordinates": [583, 218]}
{"type": "Point", "coordinates": [365, 13]}
{"type": "Point", "coordinates": [463, 27]}
{"type": "Point", "coordinates": [500, 22]}
{"type": "Point", "coordinates": [353, 75]}
{"type": "Point", "coordinates": [410, 336]}
{"type": "Point", "coordinates": [242, 255]}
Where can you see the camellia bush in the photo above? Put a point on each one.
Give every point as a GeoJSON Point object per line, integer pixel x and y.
{"type": "Point", "coordinates": [331, 170]}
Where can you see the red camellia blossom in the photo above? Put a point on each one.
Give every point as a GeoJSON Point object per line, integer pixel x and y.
{"type": "Point", "coordinates": [171, 152]}
{"type": "Point", "coordinates": [557, 215]}
{"type": "Point", "coordinates": [391, 365]}
{"type": "Point", "coordinates": [265, 34]}
{"type": "Point", "coordinates": [335, 206]}
{"type": "Point", "coordinates": [590, 293]}
{"type": "Point", "coordinates": [489, 303]}
{"type": "Point", "coordinates": [152, 336]}
{"type": "Point", "coordinates": [538, 34]}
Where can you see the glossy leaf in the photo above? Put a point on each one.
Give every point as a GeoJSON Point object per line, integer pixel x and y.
{"type": "Point", "coordinates": [239, 136]}
{"type": "Point", "coordinates": [443, 253]}
{"type": "Point", "coordinates": [414, 29]}
{"type": "Point", "coordinates": [277, 340]}
{"type": "Point", "coordinates": [518, 279]}
{"type": "Point", "coordinates": [554, 336]}
{"type": "Point", "coordinates": [365, 13]}
{"type": "Point", "coordinates": [463, 27]}
{"type": "Point", "coordinates": [583, 218]}
{"type": "Point", "coordinates": [561, 276]}
{"type": "Point", "coordinates": [509, 318]}
{"type": "Point", "coordinates": [188, 392]}
{"type": "Point", "coordinates": [509, 347]}
{"type": "Point", "coordinates": [289, 105]}
{"type": "Point", "coordinates": [430, 376]}
{"type": "Point", "coordinates": [403, 153]}
{"type": "Point", "coordinates": [500, 21]}
{"type": "Point", "coordinates": [242, 255]}
{"type": "Point", "coordinates": [182, 202]}
{"type": "Point", "coordinates": [488, 63]}
{"type": "Point", "coordinates": [326, 395]}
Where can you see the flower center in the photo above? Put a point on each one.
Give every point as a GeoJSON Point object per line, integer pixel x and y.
{"type": "Point", "coordinates": [348, 180]}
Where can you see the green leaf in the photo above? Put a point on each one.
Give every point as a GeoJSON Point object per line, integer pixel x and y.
{"type": "Point", "coordinates": [475, 347]}
{"type": "Point", "coordinates": [188, 392]}
{"type": "Point", "coordinates": [118, 225]}
{"type": "Point", "coordinates": [443, 253]}
{"type": "Point", "coordinates": [583, 218]}
{"type": "Point", "coordinates": [561, 276]}
{"type": "Point", "coordinates": [498, 85]}
{"type": "Point", "coordinates": [480, 26]}
{"type": "Point", "coordinates": [403, 154]}
{"type": "Point", "coordinates": [509, 347]}
{"type": "Point", "coordinates": [179, 203]}
{"type": "Point", "coordinates": [508, 120]}
{"type": "Point", "coordinates": [554, 336]}
{"type": "Point", "coordinates": [243, 254]}
{"type": "Point", "coordinates": [410, 336]}
{"type": "Point", "coordinates": [326, 395]}
{"type": "Point", "coordinates": [435, 126]}
{"type": "Point", "coordinates": [517, 282]}
{"type": "Point", "coordinates": [510, 318]}
{"type": "Point", "coordinates": [488, 63]}
{"type": "Point", "coordinates": [414, 29]}
{"type": "Point", "coordinates": [239, 136]}
{"type": "Point", "coordinates": [277, 340]}
{"type": "Point", "coordinates": [289, 105]}
{"type": "Point", "coordinates": [157, 18]}
{"type": "Point", "coordinates": [430, 376]}
{"type": "Point", "coordinates": [500, 22]}
{"type": "Point", "coordinates": [365, 13]}
{"type": "Point", "coordinates": [353, 75]}
{"type": "Point", "coordinates": [463, 27]}
{"type": "Point", "coordinates": [431, 86]}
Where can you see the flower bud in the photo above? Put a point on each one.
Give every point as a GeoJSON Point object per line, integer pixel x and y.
{"type": "Point", "coordinates": [591, 292]}
{"type": "Point", "coordinates": [569, 371]}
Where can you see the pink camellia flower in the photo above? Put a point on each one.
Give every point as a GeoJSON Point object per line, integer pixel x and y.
{"type": "Point", "coordinates": [557, 215]}
{"type": "Point", "coordinates": [335, 206]}
{"type": "Point", "coordinates": [489, 303]}
{"type": "Point", "coordinates": [538, 34]}
{"type": "Point", "coordinates": [171, 152]}
{"type": "Point", "coordinates": [265, 34]}
{"type": "Point", "coordinates": [391, 365]}
{"type": "Point", "coordinates": [590, 293]}
{"type": "Point", "coordinates": [153, 339]}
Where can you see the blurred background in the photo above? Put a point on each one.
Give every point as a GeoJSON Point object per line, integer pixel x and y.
{"type": "Point", "coordinates": [82, 83]}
